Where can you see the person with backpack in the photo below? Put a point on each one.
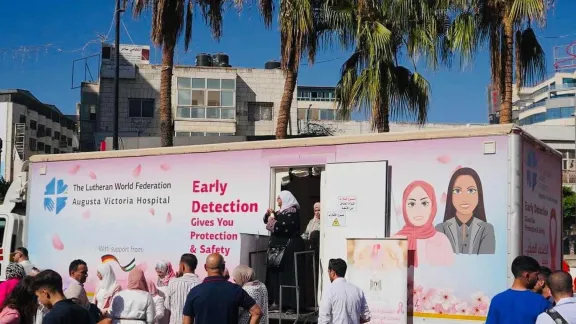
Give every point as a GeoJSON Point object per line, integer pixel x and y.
{"type": "Point", "coordinates": [560, 284]}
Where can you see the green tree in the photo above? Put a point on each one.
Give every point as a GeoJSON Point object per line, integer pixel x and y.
{"type": "Point", "coordinates": [171, 19]}
{"type": "Point", "coordinates": [299, 36]}
{"type": "Point", "coordinates": [381, 33]}
{"type": "Point", "coordinates": [568, 202]}
{"type": "Point", "coordinates": [506, 25]}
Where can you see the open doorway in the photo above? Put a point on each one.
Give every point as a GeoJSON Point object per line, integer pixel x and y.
{"type": "Point", "coordinates": [304, 182]}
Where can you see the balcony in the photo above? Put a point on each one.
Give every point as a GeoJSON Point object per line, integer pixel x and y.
{"type": "Point", "coordinates": [569, 176]}
{"type": "Point", "coordinates": [563, 87]}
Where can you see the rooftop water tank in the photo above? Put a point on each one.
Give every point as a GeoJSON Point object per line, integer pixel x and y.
{"type": "Point", "coordinates": [203, 59]}
{"type": "Point", "coordinates": [221, 59]}
{"type": "Point", "coordinates": [272, 65]}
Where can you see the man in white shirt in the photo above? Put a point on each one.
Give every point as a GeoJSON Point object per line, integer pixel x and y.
{"type": "Point", "coordinates": [560, 284]}
{"type": "Point", "coordinates": [21, 257]}
{"type": "Point", "coordinates": [178, 288]}
{"type": "Point", "coordinates": [342, 302]}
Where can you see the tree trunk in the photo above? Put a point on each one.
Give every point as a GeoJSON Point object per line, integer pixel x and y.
{"type": "Point", "coordinates": [166, 122]}
{"type": "Point", "coordinates": [380, 118]}
{"type": "Point", "coordinates": [286, 104]}
{"type": "Point", "coordinates": [508, 54]}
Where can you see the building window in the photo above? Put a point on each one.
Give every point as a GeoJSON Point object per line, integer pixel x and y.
{"type": "Point", "coordinates": [200, 98]}
{"type": "Point", "coordinates": [47, 149]}
{"type": "Point", "coordinates": [33, 124]}
{"type": "Point", "coordinates": [56, 151]}
{"type": "Point", "coordinates": [317, 114]}
{"type": "Point", "coordinates": [316, 95]}
{"type": "Point", "coordinates": [48, 132]}
{"type": "Point", "coordinates": [69, 141]}
{"type": "Point", "coordinates": [140, 108]}
{"type": "Point", "coordinates": [41, 131]}
{"type": "Point", "coordinates": [188, 134]}
{"type": "Point", "coordinates": [260, 111]}
{"type": "Point", "coordinates": [57, 136]}
{"type": "Point", "coordinates": [40, 147]}
{"type": "Point", "coordinates": [32, 143]}
{"type": "Point", "coordinates": [22, 119]}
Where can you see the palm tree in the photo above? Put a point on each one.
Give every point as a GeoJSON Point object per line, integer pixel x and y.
{"type": "Point", "coordinates": [507, 27]}
{"type": "Point", "coordinates": [298, 36]}
{"type": "Point", "coordinates": [380, 33]}
{"type": "Point", "coordinates": [171, 18]}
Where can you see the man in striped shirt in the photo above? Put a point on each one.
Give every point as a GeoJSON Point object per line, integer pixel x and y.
{"type": "Point", "coordinates": [178, 288]}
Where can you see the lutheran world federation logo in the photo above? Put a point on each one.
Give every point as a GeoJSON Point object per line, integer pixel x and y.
{"type": "Point", "coordinates": [55, 195]}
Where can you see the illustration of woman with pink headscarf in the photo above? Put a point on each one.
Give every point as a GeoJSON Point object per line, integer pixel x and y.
{"type": "Point", "coordinates": [419, 210]}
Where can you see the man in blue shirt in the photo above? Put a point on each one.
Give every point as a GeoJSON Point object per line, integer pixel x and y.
{"type": "Point", "coordinates": [216, 300]}
{"type": "Point", "coordinates": [48, 288]}
{"type": "Point", "coordinates": [519, 304]}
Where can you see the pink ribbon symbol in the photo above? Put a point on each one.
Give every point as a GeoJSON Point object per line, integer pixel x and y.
{"type": "Point", "coordinates": [400, 308]}
{"type": "Point", "coordinates": [553, 236]}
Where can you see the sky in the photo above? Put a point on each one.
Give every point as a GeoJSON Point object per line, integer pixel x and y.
{"type": "Point", "coordinates": [40, 40]}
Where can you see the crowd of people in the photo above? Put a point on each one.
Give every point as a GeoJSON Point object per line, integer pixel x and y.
{"type": "Point", "coordinates": [537, 295]}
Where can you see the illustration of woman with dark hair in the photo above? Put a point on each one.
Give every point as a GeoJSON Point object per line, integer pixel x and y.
{"type": "Point", "coordinates": [465, 222]}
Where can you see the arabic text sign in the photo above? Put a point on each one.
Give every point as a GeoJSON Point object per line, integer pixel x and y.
{"type": "Point", "coordinates": [337, 218]}
{"type": "Point", "coordinates": [347, 203]}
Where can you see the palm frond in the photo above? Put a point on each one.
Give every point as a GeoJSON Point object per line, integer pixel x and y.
{"type": "Point", "coordinates": [532, 58]}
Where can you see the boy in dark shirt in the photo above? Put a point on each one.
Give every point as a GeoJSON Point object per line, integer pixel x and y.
{"type": "Point", "coordinates": [48, 288]}
{"type": "Point", "coordinates": [519, 304]}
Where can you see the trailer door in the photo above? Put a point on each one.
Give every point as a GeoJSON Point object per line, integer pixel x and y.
{"type": "Point", "coordinates": [355, 200]}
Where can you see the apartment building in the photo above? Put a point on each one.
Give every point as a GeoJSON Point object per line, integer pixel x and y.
{"type": "Point", "coordinates": [546, 110]}
{"type": "Point", "coordinates": [28, 127]}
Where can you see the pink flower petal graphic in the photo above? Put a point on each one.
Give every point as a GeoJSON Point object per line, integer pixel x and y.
{"type": "Point", "coordinates": [86, 214]}
{"type": "Point", "coordinates": [168, 218]}
{"type": "Point", "coordinates": [74, 169]}
{"type": "Point", "coordinates": [152, 212]}
{"type": "Point", "coordinates": [457, 168]}
{"type": "Point", "coordinates": [443, 198]}
{"type": "Point", "coordinates": [57, 243]}
{"type": "Point", "coordinates": [92, 175]}
{"type": "Point", "coordinates": [165, 167]}
{"type": "Point", "coordinates": [444, 159]}
{"type": "Point", "coordinates": [137, 170]}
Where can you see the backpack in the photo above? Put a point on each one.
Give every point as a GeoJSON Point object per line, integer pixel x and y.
{"type": "Point", "coordinates": [556, 317]}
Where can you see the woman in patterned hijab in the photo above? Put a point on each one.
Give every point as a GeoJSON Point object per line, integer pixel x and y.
{"type": "Point", "coordinates": [14, 273]}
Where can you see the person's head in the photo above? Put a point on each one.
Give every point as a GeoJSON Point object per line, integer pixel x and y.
{"type": "Point", "coordinates": [106, 275]}
{"type": "Point", "coordinates": [465, 197]}
{"type": "Point", "coordinates": [15, 271]}
{"type": "Point", "coordinates": [164, 269]}
{"type": "Point", "coordinates": [243, 275]}
{"type": "Point", "coordinates": [419, 204]}
{"type": "Point", "coordinates": [20, 254]}
{"type": "Point", "coordinates": [317, 210]}
{"type": "Point", "coordinates": [560, 283]}
{"type": "Point", "coordinates": [215, 265]}
{"type": "Point", "coordinates": [47, 286]}
{"type": "Point", "coordinates": [286, 200]}
{"type": "Point", "coordinates": [541, 286]}
{"type": "Point", "coordinates": [525, 270]}
{"type": "Point", "coordinates": [188, 263]}
{"type": "Point", "coordinates": [152, 289]}
{"type": "Point", "coordinates": [137, 280]}
{"type": "Point", "coordinates": [78, 270]}
{"type": "Point", "coordinates": [336, 269]}
{"type": "Point", "coordinates": [23, 299]}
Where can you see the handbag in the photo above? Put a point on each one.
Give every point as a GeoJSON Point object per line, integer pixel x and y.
{"type": "Point", "coordinates": [275, 254]}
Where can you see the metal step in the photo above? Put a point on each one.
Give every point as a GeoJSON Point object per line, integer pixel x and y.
{"type": "Point", "coordinates": [20, 139]}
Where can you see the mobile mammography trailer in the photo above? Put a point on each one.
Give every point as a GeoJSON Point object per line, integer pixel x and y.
{"type": "Point", "coordinates": [468, 200]}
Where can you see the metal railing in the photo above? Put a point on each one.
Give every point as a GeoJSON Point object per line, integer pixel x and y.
{"type": "Point", "coordinates": [297, 286]}
{"type": "Point", "coordinates": [568, 176]}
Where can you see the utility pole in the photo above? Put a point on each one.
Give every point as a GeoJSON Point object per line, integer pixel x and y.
{"type": "Point", "coordinates": [115, 145]}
